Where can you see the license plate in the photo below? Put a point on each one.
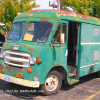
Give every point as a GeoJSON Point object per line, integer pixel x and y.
{"type": "Point", "coordinates": [7, 78]}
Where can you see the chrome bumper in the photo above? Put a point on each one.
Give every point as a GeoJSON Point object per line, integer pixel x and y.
{"type": "Point", "coordinates": [23, 82]}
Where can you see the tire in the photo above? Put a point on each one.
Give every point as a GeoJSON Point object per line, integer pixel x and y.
{"type": "Point", "coordinates": [98, 74]}
{"type": "Point", "coordinates": [52, 83]}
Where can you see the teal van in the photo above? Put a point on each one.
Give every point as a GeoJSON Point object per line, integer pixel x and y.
{"type": "Point", "coordinates": [46, 47]}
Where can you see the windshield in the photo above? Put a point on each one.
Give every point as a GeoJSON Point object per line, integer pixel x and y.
{"type": "Point", "coordinates": [16, 30]}
{"type": "Point", "coordinates": [37, 31]}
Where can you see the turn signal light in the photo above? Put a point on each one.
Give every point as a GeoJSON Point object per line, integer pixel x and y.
{"type": "Point", "coordinates": [30, 70]}
{"type": "Point", "coordinates": [38, 60]}
{"type": "Point", "coordinates": [19, 75]}
{"type": "Point", "coordinates": [1, 71]}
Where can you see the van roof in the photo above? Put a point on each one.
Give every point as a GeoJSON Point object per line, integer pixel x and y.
{"type": "Point", "coordinates": [59, 14]}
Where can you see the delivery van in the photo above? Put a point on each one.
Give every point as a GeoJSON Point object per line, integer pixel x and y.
{"type": "Point", "coordinates": [46, 47]}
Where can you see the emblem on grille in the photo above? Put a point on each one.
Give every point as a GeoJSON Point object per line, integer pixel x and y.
{"type": "Point", "coordinates": [16, 47]}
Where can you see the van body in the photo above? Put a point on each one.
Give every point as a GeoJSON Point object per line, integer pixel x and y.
{"type": "Point", "coordinates": [45, 47]}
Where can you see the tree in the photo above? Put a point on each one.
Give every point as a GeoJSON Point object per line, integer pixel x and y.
{"type": "Point", "coordinates": [10, 8]}
{"type": "Point", "coordinates": [88, 7]}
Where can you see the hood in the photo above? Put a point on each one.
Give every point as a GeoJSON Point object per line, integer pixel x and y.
{"type": "Point", "coordinates": [21, 47]}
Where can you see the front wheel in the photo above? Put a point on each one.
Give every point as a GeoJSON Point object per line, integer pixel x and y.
{"type": "Point", "coordinates": [52, 84]}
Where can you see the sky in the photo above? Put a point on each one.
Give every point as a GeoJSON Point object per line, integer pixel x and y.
{"type": "Point", "coordinates": [44, 4]}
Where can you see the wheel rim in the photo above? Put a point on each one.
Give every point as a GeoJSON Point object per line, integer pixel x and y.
{"type": "Point", "coordinates": [51, 83]}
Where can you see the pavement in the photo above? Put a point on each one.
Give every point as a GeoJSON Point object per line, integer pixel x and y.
{"type": "Point", "coordinates": [87, 89]}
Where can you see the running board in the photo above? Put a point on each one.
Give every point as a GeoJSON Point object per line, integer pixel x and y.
{"type": "Point", "coordinates": [73, 81]}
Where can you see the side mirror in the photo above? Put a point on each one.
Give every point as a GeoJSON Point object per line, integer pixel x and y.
{"type": "Point", "coordinates": [62, 38]}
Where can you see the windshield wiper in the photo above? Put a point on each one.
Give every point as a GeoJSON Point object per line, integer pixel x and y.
{"type": "Point", "coordinates": [43, 36]}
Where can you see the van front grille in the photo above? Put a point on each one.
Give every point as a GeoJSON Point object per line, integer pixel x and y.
{"type": "Point", "coordinates": [15, 58]}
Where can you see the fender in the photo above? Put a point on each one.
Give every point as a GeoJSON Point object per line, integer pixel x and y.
{"type": "Point", "coordinates": [47, 70]}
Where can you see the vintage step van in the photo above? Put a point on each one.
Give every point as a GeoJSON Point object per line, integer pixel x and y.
{"type": "Point", "coordinates": [46, 47]}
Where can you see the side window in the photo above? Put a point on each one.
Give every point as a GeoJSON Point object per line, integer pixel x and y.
{"type": "Point", "coordinates": [56, 38]}
{"type": "Point", "coordinates": [61, 28]}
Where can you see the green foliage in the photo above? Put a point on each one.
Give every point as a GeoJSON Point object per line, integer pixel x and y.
{"type": "Point", "coordinates": [9, 10]}
{"type": "Point", "coordinates": [88, 7]}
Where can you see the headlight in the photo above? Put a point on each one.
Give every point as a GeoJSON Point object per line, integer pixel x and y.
{"type": "Point", "coordinates": [32, 60]}
{"type": "Point", "coordinates": [2, 55]}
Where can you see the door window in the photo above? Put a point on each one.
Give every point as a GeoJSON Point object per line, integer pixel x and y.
{"type": "Point", "coordinates": [61, 28]}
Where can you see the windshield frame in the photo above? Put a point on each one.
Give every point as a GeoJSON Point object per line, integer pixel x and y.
{"type": "Point", "coordinates": [42, 36]}
{"type": "Point", "coordinates": [21, 33]}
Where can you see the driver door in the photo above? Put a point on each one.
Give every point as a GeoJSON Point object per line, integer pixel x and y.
{"type": "Point", "coordinates": [60, 49]}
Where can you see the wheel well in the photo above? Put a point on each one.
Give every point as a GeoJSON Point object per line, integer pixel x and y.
{"type": "Point", "coordinates": [61, 70]}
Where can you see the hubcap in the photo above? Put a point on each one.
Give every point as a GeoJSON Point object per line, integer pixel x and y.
{"type": "Point", "coordinates": [51, 83]}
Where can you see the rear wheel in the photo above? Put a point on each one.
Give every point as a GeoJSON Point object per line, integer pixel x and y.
{"type": "Point", "coordinates": [52, 84]}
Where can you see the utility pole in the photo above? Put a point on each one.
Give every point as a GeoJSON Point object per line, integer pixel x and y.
{"type": "Point", "coordinates": [58, 1]}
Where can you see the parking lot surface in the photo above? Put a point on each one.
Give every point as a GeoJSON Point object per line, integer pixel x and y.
{"type": "Point", "coordinates": [87, 89]}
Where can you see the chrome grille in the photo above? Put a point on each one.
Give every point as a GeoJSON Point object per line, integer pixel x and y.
{"type": "Point", "coordinates": [15, 58]}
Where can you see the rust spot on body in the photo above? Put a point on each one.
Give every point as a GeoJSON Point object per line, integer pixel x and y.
{"type": "Point", "coordinates": [91, 69]}
{"type": "Point", "coordinates": [66, 13]}
{"type": "Point", "coordinates": [23, 69]}
{"type": "Point", "coordinates": [30, 48]}
{"type": "Point", "coordinates": [73, 81]}
{"type": "Point", "coordinates": [7, 46]}
{"type": "Point", "coordinates": [42, 19]}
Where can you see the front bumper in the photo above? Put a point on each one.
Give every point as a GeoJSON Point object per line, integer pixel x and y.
{"type": "Point", "coordinates": [23, 82]}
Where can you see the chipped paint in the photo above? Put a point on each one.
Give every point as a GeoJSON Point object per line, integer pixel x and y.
{"type": "Point", "coordinates": [63, 15]}
{"type": "Point", "coordinates": [56, 56]}
{"type": "Point", "coordinates": [43, 19]}
{"type": "Point", "coordinates": [73, 81]}
{"type": "Point", "coordinates": [7, 46]}
{"type": "Point", "coordinates": [30, 48]}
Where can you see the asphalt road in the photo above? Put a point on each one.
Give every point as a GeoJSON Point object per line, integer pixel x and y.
{"type": "Point", "coordinates": [87, 89]}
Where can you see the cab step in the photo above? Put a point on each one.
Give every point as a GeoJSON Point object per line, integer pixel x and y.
{"type": "Point", "coordinates": [72, 70]}
{"type": "Point", "coordinates": [72, 74]}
